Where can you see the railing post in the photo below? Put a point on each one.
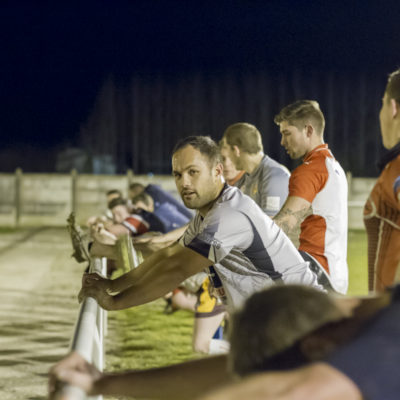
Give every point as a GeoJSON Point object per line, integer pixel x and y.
{"type": "Point", "coordinates": [74, 178]}
{"type": "Point", "coordinates": [88, 338]}
{"type": "Point", "coordinates": [129, 179]}
{"type": "Point", "coordinates": [18, 185]}
{"type": "Point", "coordinates": [349, 177]}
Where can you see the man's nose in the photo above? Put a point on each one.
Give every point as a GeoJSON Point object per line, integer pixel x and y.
{"type": "Point", "coordinates": [185, 180]}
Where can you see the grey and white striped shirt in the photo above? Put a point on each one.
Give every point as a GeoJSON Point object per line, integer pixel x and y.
{"type": "Point", "coordinates": [247, 249]}
{"type": "Point", "coordinates": [268, 185]}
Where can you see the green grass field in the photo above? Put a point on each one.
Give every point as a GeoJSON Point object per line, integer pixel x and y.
{"type": "Point", "coordinates": [357, 260]}
{"type": "Point", "coordinates": [144, 337]}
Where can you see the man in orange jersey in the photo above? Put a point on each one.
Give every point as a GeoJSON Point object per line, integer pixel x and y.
{"type": "Point", "coordinates": [317, 198]}
{"type": "Point", "coordinates": [382, 209]}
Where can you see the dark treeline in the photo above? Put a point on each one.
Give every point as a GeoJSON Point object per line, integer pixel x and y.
{"type": "Point", "coordinates": [139, 122]}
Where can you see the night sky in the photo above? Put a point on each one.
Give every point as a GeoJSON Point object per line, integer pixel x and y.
{"type": "Point", "coordinates": [55, 56]}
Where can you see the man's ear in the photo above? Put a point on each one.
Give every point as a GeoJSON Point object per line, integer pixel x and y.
{"type": "Point", "coordinates": [309, 130]}
{"type": "Point", "coordinates": [236, 150]}
{"type": "Point", "coordinates": [219, 169]}
{"type": "Point", "coordinates": [395, 107]}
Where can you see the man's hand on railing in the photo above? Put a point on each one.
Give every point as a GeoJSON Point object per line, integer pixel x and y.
{"type": "Point", "coordinates": [98, 287]}
{"type": "Point", "coordinates": [73, 370]}
{"type": "Point", "coordinates": [102, 235]}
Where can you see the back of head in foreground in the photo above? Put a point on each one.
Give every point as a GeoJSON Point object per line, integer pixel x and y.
{"type": "Point", "coordinates": [267, 332]}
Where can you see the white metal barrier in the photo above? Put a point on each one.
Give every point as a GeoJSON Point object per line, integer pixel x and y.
{"type": "Point", "coordinates": [90, 330]}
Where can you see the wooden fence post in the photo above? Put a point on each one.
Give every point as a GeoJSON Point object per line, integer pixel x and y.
{"type": "Point", "coordinates": [18, 181]}
{"type": "Point", "coordinates": [349, 177]}
{"type": "Point", "coordinates": [74, 201]}
{"type": "Point", "coordinates": [129, 179]}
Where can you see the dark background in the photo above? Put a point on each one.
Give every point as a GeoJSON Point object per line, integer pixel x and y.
{"type": "Point", "coordinates": [123, 80]}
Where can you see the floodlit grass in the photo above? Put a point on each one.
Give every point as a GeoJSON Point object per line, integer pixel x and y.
{"type": "Point", "coordinates": [145, 337]}
{"type": "Point", "coordinates": [358, 262]}
{"type": "Point", "coordinates": [8, 229]}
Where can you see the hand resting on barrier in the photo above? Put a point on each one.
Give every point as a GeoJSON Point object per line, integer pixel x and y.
{"type": "Point", "coordinates": [102, 234]}
{"type": "Point", "coordinates": [184, 381]}
{"type": "Point", "coordinates": [76, 371]}
{"type": "Point", "coordinates": [98, 287]}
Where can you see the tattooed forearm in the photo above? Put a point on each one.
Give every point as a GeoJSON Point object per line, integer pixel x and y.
{"type": "Point", "coordinates": [290, 220]}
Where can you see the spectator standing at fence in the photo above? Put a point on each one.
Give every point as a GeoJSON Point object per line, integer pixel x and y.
{"type": "Point", "coordinates": [382, 209]}
{"type": "Point", "coordinates": [247, 250]}
{"type": "Point", "coordinates": [267, 180]}
{"type": "Point", "coordinates": [317, 192]}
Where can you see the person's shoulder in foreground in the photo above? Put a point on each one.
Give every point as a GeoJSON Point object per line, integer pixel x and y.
{"type": "Point", "coordinates": [372, 359]}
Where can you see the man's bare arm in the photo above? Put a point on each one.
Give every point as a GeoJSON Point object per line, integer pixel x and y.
{"type": "Point", "coordinates": [180, 381]}
{"type": "Point", "coordinates": [95, 283]}
{"type": "Point", "coordinates": [292, 214]}
{"type": "Point", "coordinates": [156, 276]}
{"type": "Point", "coordinates": [161, 277]}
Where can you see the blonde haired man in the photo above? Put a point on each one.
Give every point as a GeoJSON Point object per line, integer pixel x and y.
{"type": "Point", "coordinates": [267, 180]}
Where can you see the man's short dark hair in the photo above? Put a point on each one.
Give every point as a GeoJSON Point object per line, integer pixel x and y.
{"type": "Point", "coordinates": [114, 191]}
{"type": "Point", "coordinates": [245, 136]}
{"type": "Point", "coordinates": [301, 112]}
{"type": "Point", "coordinates": [136, 185]}
{"type": "Point", "coordinates": [144, 197]}
{"type": "Point", "coordinates": [118, 201]}
{"type": "Point", "coordinates": [204, 144]}
{"type": "Point", "coordinates": [393, 86]}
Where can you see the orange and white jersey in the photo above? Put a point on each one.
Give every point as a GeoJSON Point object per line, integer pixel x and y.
{"type": "Point", "coordinates": [322, 181]}
{"type": "Point", "coordinates": [382, 222]}
{"type": "Point", "coordinates": [136, 224]}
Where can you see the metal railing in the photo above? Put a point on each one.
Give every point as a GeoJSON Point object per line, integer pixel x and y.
{"type": "Point", "coordinates": [91, 326]}
{"type": "Point", "coordinates": [90, 330]}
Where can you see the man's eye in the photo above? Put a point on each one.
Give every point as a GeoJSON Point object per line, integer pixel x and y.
{"type": "Point", "coordinates": [193, 172]}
